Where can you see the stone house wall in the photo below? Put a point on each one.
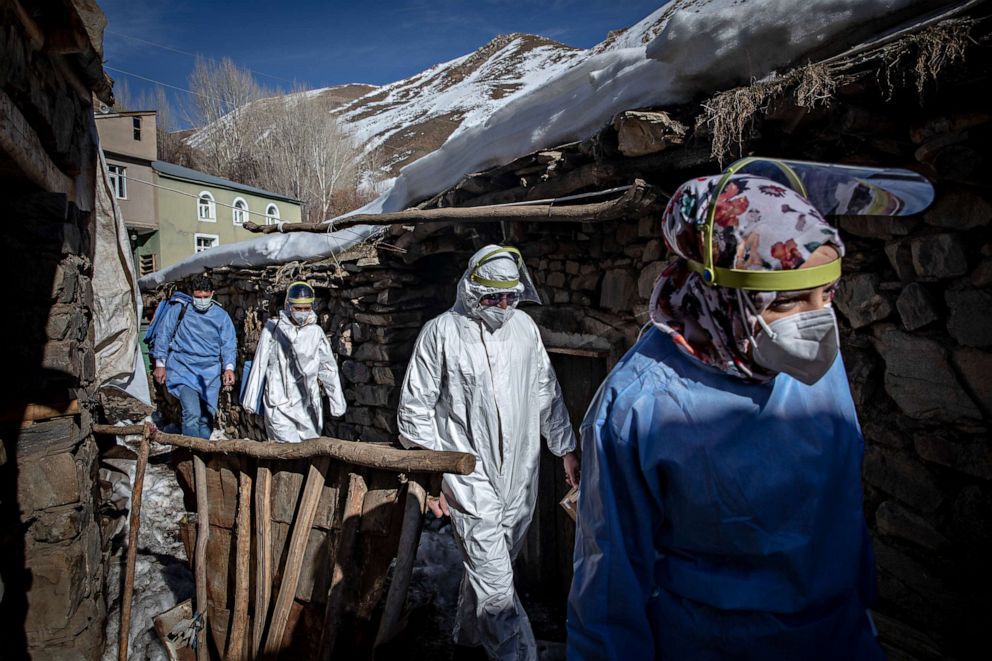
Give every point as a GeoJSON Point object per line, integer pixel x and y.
{"type": "Point", "coordinates": [51, 548]}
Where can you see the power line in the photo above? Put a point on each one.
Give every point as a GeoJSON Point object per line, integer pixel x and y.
{"type": "Point", "coordinates": [159, 82]}
{"type": "Point", "coordinates": [187, 53]}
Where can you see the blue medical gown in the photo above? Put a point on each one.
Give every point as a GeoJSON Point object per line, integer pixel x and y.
{"type": "Point", "coordinates": [719, 519]}
{"type": "Point", "coordinates": [203, 343]}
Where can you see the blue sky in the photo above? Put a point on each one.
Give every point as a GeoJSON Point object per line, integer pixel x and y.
{"type": "Point", "coordinates": [321, 43]}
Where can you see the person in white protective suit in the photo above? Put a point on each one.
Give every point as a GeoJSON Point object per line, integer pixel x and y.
{"type": "Point", "coordinates": [481, 382]}
{"type": "Point", "coordinates": [293, 361]}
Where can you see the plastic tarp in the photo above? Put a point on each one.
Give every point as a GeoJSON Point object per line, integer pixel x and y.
{"type": "Point", "coordinates": [116, 300]}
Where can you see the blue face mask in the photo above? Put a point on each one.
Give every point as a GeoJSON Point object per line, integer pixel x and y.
{"type": "Point", "coordinates": [201, 304]}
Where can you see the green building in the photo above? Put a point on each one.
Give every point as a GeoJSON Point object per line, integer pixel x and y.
{"type": "Point", "coordinates": [198, 211]}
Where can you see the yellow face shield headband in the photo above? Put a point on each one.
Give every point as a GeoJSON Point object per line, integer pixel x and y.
{"type": "Point", "coordinates": [299, 300]}
{"type": "Point", "coordinates": [488, 257]}
{"type": "Point", "coordinates": [810, 278]}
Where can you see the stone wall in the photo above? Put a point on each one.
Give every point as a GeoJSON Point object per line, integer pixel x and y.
{"type": "Point", "coordinates": [51, 549]}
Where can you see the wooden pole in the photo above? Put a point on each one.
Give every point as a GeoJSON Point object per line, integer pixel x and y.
{"type": "Point", "coordinates": [294, 556]}
{"type": "Point", "coordinates": [350, 520]}
{"type": "Point", "coordinates": [239, 618]}
{"type": "Point", "coordinates": [263, 553]}
{"type": "Point", "coordinates": [134, 524]}
{"type": "Point", "coordinates": [638, 199]}
{"type": "Point", "coordinates": [371, 455]}
{"type": "Point", "coordinates": [413, 517]}
{"type": "Point", "coordinates": [200, 554]}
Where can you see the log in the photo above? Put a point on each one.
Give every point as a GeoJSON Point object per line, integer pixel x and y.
{"type": "Point", "coordinates": [32, 412]}
{"type": "Point", "coordinates": [392, 612]}
{"type": "Point", "coordinates": [350, 522]}
{"type": "Point", "coordinates": [639, 199]}
{"type": "Point", "coordinates": [200, 554]}
{"type": "Point", "coordinates": [352, 452]}
{"type": "Point", "coordinates": [312, 490]}
{"type": "Point", "coordinates": [263, 554]}
{"type": "Point", "coordinates": [132, 546]}
{"type": "Point", "coordinates": [239, 617]}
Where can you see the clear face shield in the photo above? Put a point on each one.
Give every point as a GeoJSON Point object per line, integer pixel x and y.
{"type": "Point", "coordinates": [501, 270]}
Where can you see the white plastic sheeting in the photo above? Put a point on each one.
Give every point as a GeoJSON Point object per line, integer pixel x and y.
{"type": "Point", "coordinates": [701, 46]}
{"type": "Point", "coordinates": [116, 301]}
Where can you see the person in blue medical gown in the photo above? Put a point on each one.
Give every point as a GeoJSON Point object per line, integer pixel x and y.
{"type": "Point", "coordinates": [192, 343]}
{"type": "Point", "coordinates": [720, 514]}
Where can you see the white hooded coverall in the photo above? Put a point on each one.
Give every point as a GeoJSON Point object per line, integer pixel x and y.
{"type": "Point", "coordinates": [492, 394]}
{"type": "Point", "coordinates": [291, 363]}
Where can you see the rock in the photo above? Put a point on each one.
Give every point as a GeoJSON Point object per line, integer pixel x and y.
{"type": "Point", "coordinates": [901, 257]}
{"type": "Point", "coordinates": [877, 227]}
{"type": "Point", "coordinates": [982, 275]}
{"type": "Point", "coordinates": [975, 367]}
{"type": "Point", "coordinates": [972, 457]}
{"type": "Point", "coordinates": [902, 476]}
{"type": "Point", "coordinates": [896, 521]}
{"type": "Point", "coordinates": [919, 378]}
{"type": "Point", "coordinates": [914, 575]}
{"type": "Point", "coordinates": [355, 372]}
{"type": "Point", "coordinates": [571, 268]}
{"type": "Point", "coordinates": [585, 282]}
{"type": "Point", "coordinates": [959, 209]}
{"type": "Point", "coordinates": [626, 233]}
{"type": "Point", "coordinates": [383, 353]}
{"type": "Point", "coordinates": [971, 517]}
{"type": "Point", "coordinates": [387, 376]}
{"type": "Point", "coordinates": [58, 585]}
{"type": "Point", "coordinates": [911, 644]}
{"type": "Point", "coordinates": [653, 251]}
{"type": "Point", "coordinates": [645, 282]}
{"type": "Point", "coordinates": [939, 256]}
{"type": "Point", "coordinates": [47, 482]}
{"type": "Point", "coordinates": [648, 226]}
{"type": "Point", "coordinates": [859, 300]}
{"type": "Point", "coordinates": [560, 296]}
{"type": "Point", "coordinates": [640, 133]}
{"type": "Point", "coordinates": [618, 290]}
{"type": "Point", "coordinates": [916, 307]}
{"type": "Point", "coordinates": [384, 396]}
{"type": "Point", "coordinates": [358, 415]}
{"type": "Point", "coordinates": [970, 322]}
{"type": "Point", "coordinates": [556, 280]}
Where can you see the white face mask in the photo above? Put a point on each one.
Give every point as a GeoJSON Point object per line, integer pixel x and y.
{"type": "Point", "coordinates": [202, 304]}
{"type": "Point", "coordinates": [300, 316]}
{"type": "Point", "coordinates": [494, 316]}
{"type": "Point", "coordinates": [802, 345]}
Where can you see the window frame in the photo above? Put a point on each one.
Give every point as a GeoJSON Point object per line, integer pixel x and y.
{"type": "Point", "coordinates": [270, 218]}
{"type": "Point", "coordinates": [118, 180]}
{"type": "Point", "coordinates": [211, 207]}
{"type": "Point", "coordinates": [136, 128]}
{"type": "Point", "coordinates": [245, 212]}
{"type": "Point", "coordinates": [200, 235]}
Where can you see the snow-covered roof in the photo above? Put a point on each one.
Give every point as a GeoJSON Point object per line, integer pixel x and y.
{"type": "Point", "coordinates": [189, 174]}
{"type": "Point", "coordinates": [699, 47]}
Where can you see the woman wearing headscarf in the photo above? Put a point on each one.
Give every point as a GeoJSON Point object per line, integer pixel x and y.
{"type": "Point", "coordinates": [721, 510]}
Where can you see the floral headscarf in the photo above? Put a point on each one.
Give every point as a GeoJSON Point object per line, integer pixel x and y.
{"type": "Point", "coordinates": [760, 225]}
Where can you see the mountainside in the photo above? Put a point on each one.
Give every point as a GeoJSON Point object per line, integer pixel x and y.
{"type": "Point", "coordinates": [410, 118]}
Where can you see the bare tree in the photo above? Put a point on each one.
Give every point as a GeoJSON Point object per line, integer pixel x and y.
{"type": "Point", "coordinates": [222, 94]}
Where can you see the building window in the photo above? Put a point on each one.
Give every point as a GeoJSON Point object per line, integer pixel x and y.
{"type": "Point", "coordinates": [136, 127]}
{"type": "Point", "coordinates": [203, 242]}
{"type": "Point", "coordinates": [118, 181]}
{"type": "Point", "coordinates": [271, 214]}
{"type": "Point", "coordinates": [147, 264]}
{"type": "Point", "coordinates": [239, 212]}
{"type": "Point", "coordinates": [206, 209]}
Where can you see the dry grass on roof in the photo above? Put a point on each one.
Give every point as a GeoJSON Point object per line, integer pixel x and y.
{"type": "Point", "coordinates": [922, 55]}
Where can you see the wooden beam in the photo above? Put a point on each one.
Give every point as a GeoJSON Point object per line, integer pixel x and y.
{"type": "Point", "coordinates": [351, 452]}
{"type": "Point", "coordinates": [640, 198]}
{"type": "Point", "coordinates": [350, 522]}
{"type": "Point", "coordinates": [413, 517]}
{"type": "Point", "coordinates": [312, 490]}
{"type": "Point", "coordinates": [134, 524]}
{"type": "Point", "coordinates": [263, 555]}
{"type": "Point", "coordinates": [239, 617]}
{"type": "Point", "coordinates": [200, 555]}
{"type": "Point", "coordinates": [22, 144]}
